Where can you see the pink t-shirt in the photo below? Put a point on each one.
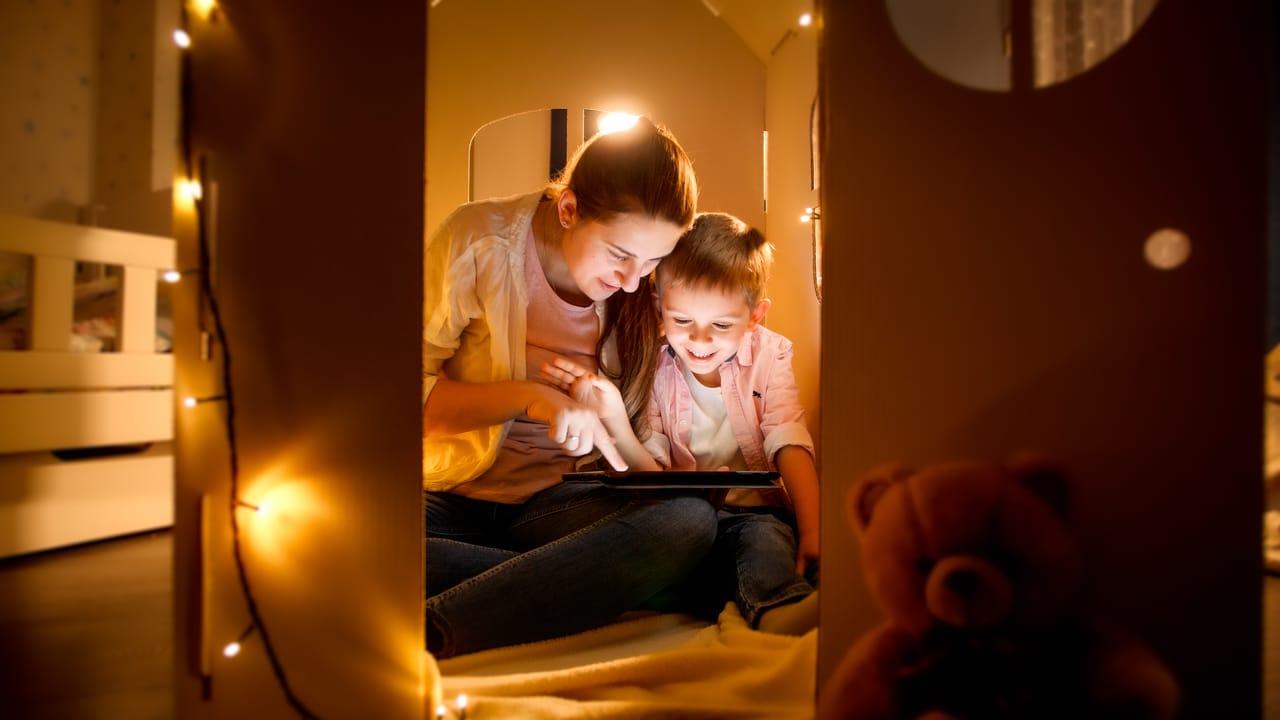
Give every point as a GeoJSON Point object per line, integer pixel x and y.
{"type": "Point", "coordinates": [529, 460]}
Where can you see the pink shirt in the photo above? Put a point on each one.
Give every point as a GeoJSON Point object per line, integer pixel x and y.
{"type": "Point", "coordinates": [760, 398]}
{"type": "Point", "coordinates": [529, 460]}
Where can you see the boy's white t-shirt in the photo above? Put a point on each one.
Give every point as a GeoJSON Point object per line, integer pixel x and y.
{"type": "Point", "coordinates": [711, 438]}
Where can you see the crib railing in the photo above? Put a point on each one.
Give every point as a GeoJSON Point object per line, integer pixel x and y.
{"type": "Point", "coordinates": [84, 436]}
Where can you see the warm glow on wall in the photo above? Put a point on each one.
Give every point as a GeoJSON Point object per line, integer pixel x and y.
{"type": "Point", "coordinates": [203, 9]}
{"type": "Point", "coordinates": [279, 515]}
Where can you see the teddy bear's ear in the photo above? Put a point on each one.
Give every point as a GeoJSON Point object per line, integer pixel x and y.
{"type": "Point", "coordinates": [1044, 477]}
{"type": "Point", "coordinates": [865, 493]}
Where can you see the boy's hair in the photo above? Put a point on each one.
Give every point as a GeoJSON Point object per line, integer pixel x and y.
{"type": "Point", "coordinates": [721, 252]}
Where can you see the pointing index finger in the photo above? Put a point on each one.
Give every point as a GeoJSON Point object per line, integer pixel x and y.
{"type": "Point", "coordinates": [607, 448]}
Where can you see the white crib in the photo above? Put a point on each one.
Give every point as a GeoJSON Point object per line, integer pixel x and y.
{"type": "Point", "coordinates": [85, 435]}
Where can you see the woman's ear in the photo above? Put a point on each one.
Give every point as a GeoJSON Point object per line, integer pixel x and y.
{"type": "Point", "coordinates": [758, 313]}
{"type": "Point", "coordinates": [567, 207]}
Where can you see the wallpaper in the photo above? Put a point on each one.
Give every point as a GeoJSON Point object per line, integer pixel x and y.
{"type": "Point", "coordinates": [76, 97]}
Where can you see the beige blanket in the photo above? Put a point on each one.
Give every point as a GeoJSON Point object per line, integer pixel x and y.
{"type": "Point", "coordinates": [650, 667]}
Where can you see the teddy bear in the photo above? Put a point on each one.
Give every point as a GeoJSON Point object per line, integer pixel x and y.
{"type": "Point", "coordinates": [981, 584]}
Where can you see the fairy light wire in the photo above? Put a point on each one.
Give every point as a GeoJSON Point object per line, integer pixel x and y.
{"type": "Point", "coordinates": [228, 392]}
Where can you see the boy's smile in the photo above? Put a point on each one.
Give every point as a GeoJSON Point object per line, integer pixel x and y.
{"type": "Point", "coordinates": [704, 326]}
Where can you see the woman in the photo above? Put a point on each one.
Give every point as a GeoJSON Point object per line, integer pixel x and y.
{"type": "Point", "coordinates": [514, 554]}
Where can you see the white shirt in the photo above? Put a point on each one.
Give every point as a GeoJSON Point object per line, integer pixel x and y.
{"type": "Point", "coordinates": [474, 303]}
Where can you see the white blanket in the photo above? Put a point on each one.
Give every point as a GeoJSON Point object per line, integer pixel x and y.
{"type": "Point", "coordinates": [648, 667]}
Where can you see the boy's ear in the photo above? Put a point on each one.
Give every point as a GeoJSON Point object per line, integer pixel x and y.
{"type": "Point", "coordinates": [758, 313]}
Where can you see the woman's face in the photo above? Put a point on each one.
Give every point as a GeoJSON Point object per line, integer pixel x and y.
{"type": "Point", "coordinates": [607, 256]}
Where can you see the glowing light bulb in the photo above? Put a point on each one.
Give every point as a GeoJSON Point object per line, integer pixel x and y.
{"type": "Point", "coordinates": [232, 648]}
{"type": "Point", "coordinates": [806, 20]}
{"type": "Point", "coordinates": [191, 189]}
{"type": "Point", "coordinates": [192, 401]}
{"type": "Point", "coordinates": [181, 38]}
{"type": "Point", "coordinates": [171, 276]}
{"type": "Point", "coordinates": [615, 122]}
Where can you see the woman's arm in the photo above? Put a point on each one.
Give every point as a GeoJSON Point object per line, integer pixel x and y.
{"type": "Point", "coordinates": [455, 407]}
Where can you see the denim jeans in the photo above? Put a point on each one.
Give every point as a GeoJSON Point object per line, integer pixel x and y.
{"type": "Point", "coordinates": [571, 558]}
{"type": "Point", "coordinates": [753, 564]}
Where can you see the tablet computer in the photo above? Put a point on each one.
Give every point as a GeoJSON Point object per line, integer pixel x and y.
{"type": "Point", "coordinates": [667, 479]}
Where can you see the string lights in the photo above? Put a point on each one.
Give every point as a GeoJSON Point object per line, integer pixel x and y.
{"type": "Point", "coordinates": [459, 706]}
{"type": "Point", "coordinates": [190, 401]}
{"type": "Point", "coordinates": [261, 508]}
{"type": "Point", "coordinates": [232, 648]}
{"type": "Point", "coordinates": [191, 190]}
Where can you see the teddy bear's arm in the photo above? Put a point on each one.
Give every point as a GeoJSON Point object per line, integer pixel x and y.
{"type": "Point", "coordinates": [1129, 680]}
{"type": "Point", "coordinates": [864, 686]}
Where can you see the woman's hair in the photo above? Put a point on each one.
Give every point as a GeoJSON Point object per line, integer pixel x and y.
{"type": "Point", "coordinates": [640, 170]}
{"type": "Point", "coordinates": [722, 252]}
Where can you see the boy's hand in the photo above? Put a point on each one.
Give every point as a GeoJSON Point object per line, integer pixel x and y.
{"type": "Point", "coordinates": [806, 552]}
{"type": "Point", "coordinates": [595, 392]}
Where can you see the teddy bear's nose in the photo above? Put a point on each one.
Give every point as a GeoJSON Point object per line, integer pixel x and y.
{"type": "Point", "coordinates": [963, 582]}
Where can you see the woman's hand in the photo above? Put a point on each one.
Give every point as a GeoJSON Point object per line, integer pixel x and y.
{"type": "Point", "coordinates": [588, 388]}
{"type": "Point", "coordinates": [573, 425]}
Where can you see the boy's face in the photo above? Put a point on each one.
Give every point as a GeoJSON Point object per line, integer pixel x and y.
{"type": "Point", "coordinates": [705, 325]}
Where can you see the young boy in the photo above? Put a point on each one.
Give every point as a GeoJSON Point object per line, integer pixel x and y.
{"type": "Point", "coordinates": [724, 397]}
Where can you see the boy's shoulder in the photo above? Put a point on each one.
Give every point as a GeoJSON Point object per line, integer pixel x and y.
{"type": "Point", "coordinates": [761, 338]}
{"type": "Point", "coordinates": [765, 334]}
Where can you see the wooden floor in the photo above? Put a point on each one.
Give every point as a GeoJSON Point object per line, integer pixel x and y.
{"type": "Point", "coordinates": [87, 633]}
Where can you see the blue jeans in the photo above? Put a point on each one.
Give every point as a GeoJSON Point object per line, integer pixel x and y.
{"type": "Point", "coordinates": [753, 564]}
{"type": "Point", "coordinates": [570, 558]}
